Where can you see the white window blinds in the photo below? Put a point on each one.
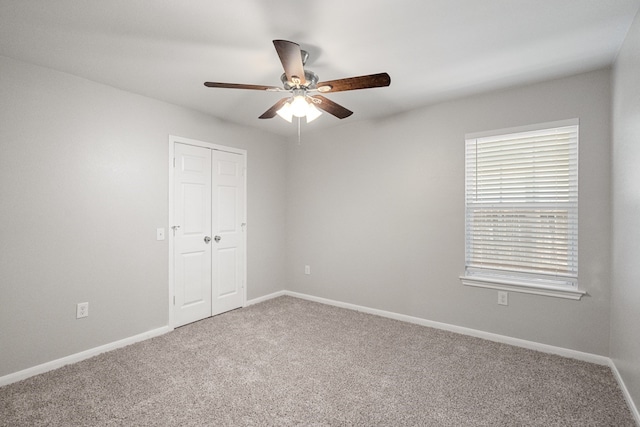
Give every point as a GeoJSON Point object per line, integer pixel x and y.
{"type": "Point", "coordinates": [522, 206]}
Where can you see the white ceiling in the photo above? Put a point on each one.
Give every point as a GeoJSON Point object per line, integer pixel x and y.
{"type": "Point", "coordinates": [433, 49]}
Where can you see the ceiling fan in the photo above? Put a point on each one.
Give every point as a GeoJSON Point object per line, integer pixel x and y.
{"type": "Point", "coordinates": [303, 85]}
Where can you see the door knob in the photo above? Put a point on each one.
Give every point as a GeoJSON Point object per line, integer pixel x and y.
{"type": "Point", "coordinates": [217, 238]}
{"type": "Point", "coordinates": [207, 239]}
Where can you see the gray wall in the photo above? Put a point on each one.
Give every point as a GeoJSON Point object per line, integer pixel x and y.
{"type": "Point", "coordinates": [83, 187]}
{"type": "Point", "coordinates": [377, 210]}
{"type": "Point", "coordinates": [625, 295]}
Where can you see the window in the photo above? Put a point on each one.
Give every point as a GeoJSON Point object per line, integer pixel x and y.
{"type": "Point", "coordinates": [521, 195]}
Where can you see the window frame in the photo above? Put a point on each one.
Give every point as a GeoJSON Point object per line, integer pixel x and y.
{"type": "Point", "coordinates": [511, 280]}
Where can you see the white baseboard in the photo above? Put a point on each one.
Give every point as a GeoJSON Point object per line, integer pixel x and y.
{"type": "Point", "coordinates": [625, 391]}
{"type": "Point", "coordinates": [587, 357]}
{"type": "Point", "coordinates": [77, 357]}
{"type": "Point", "coordinates": [264, 298]}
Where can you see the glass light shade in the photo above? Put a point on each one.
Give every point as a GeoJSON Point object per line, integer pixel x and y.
{"type": "Point", "coordinates": [312, 112]}
{"type": "Point", "coordinates": [299, 106]}
{"type": "Point", "coordinates": [285, 112]}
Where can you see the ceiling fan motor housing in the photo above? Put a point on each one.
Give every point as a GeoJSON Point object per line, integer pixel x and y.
{"type": "Point", "coordinates": [310, 77]}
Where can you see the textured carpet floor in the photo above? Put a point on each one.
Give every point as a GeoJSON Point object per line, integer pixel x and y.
{"type": "Point", "coordinates": [293, 362]}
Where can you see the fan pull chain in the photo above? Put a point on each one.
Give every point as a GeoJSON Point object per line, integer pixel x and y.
{"type": "Point", "coordinates": [299, 130]}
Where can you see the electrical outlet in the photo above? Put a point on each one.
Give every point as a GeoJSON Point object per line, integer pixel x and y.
{"type": "Point", "coordinates": [82, 310]}
{"type": "Point", "coordinates": [503, 298]}
{"type": "Point", "coordinates": [307, 269]}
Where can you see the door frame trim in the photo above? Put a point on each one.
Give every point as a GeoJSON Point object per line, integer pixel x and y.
{"type": "Point", "coordinates": [178, 139]}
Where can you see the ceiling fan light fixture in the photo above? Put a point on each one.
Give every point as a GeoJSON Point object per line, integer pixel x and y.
{"type": "Point", "coordinates": [299, 106]}
{"type": "Point", "coordinates": [312, 112]}
{"type": "Point", "coordinates": [285, 112]}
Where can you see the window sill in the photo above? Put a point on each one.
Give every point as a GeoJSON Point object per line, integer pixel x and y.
{"type": "Point", "coordinates": [523, 287]}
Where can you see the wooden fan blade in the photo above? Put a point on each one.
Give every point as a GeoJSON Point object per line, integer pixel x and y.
{"type": "Point", "coordinates": [331, 107]}
{"type": "Point", "coordinates": [271, 112]}
{"type": "Point", "coordinates": [353, 83]}
{"type": "Point", "coordinates": [240, 86]}
{"type": "Point", "coordinates": [291, 58]}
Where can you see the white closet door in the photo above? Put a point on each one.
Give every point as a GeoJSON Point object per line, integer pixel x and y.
{"type": "Point", "coordinates": [228, 245]}
{"type": "Point", "coordinates": [192, 214]}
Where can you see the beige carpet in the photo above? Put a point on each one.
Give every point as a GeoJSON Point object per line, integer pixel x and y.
{"type": "Point", "coordinates": [292, 362]}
